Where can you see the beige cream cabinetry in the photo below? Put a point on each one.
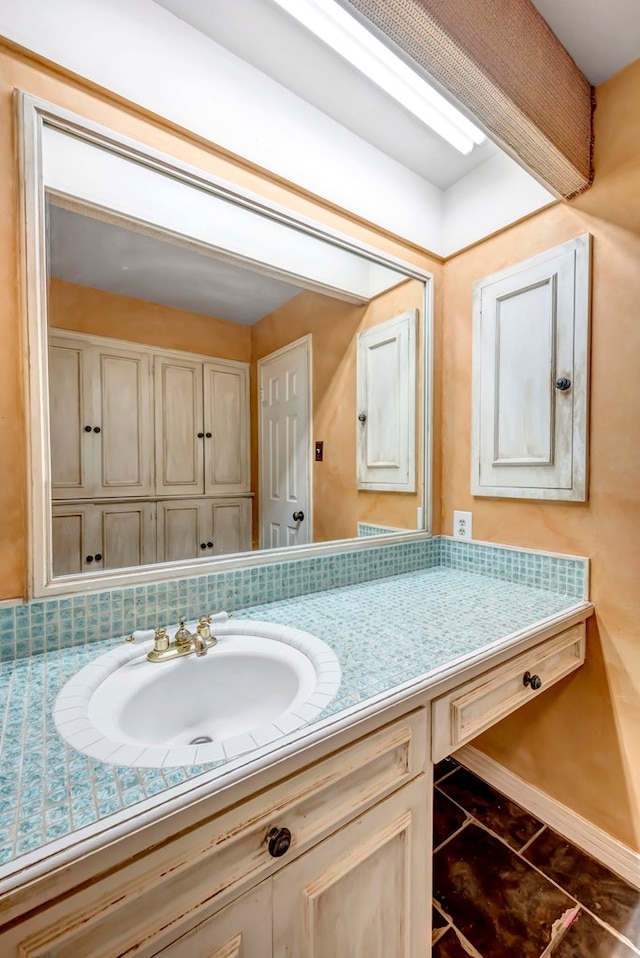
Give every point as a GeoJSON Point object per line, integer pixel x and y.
{"type": "Point", "coordinates": [354, 828]}
{"type": "Point", "coordinates": [146, 426]}
{"type": "Point", "coordinates": [202, 427]}
{"type": "Point", "coordinates": [202, 527]}
{"type": "Point", "coordinates": [100, 415]}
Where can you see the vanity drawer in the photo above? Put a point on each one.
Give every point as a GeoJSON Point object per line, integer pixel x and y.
{"type": "Point", "coordinates": [472, 707]}
{"type": "Point", "coordinates": [192, 876]}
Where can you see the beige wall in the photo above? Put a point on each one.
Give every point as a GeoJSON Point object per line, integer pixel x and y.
{"type": "Point", "coordinates": [581, 741]}
{"type": "Point", "coordinates": [27, 73]}
{"type": "Point", "coordinates": [84, 309]}
{"type": "Point", "coordinates": [334, 325]}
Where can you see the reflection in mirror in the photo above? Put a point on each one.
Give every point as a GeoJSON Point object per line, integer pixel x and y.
{"type": "Point", "coordinates": [201, 407]}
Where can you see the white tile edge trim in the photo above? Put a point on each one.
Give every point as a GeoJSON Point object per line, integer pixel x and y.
{"type": "Point", "coordinates": [602, 846]}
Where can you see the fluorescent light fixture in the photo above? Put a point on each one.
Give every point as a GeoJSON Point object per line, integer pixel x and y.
{"type": "Point", "coordinates": [348, 37]}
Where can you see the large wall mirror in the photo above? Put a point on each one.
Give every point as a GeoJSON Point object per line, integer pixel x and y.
{"type": "Point", "coordinates": [210, 377]}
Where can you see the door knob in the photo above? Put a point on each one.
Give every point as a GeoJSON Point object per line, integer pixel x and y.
{"type": "Point", "coordinates": [298, 516]}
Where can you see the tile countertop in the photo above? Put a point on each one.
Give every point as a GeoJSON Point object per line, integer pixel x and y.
{"type": "Point", "coordinates": [386, 632]}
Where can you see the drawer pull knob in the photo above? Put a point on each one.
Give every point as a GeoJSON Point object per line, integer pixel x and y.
{"type": "Point", "coordinates": [533, 680]}
{"type": "Point", "coordinates": [279, 840]}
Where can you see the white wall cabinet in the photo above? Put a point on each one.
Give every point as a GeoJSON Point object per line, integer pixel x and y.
{"type": "Point", "coordinates": [202, 427]}
{"type": "Point", "coordinates": [100, 416]}
{"type": "Point", "coordinates": [188, 528]}
{"type": "Point", "coordinates": [530, 377]}
{"type": "Point", "coordinates": [386, 405]}
{"type": "Point", "coordinates": [113, 535]}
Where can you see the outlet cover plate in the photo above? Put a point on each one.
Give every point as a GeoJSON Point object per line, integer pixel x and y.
{"type": "Point", "coordinates": [462, 525]}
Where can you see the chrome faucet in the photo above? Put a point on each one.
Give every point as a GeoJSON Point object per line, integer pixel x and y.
{"type": "Point", "coordinates": [184, 643]}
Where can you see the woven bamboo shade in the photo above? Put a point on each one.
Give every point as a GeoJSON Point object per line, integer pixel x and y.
{"type": "Point", "coordinates": [500, 59]}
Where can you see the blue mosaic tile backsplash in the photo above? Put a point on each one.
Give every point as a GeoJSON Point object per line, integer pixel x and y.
{"type": "Point", "coordinates": [405, 598]}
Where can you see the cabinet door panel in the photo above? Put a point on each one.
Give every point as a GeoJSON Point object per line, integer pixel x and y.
{"type": "Point", "coordinates": [181, 531]}
{"type": "Point", "coordinates": [226, 417]}
{"type": "Point", "coordinates": [125, 423]}
{"type": "Point", "coordinates": [128, 534]}
{"type": "Point", "coordinates": [68, 414]}
{"type": "Point", "coordinates": [71, 538]}
{"type": "Point", "coordinates": [241, 930]}
{"type": "Point", "coordinates": [231, 522]}
{"type": "Point", "coordinates": [363, 891]}
{"type": "Point", "coordinates": [178, 412]}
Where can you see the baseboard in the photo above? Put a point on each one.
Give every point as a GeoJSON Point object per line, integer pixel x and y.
{"type": "Point", "coordinates": [599, 844]}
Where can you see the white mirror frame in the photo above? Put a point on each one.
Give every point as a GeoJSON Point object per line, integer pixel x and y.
{"type": "Point", "coordinates": [33, 115]}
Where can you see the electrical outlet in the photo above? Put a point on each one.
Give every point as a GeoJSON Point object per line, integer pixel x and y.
{"type": "Point", "coordinates": [462, 525]}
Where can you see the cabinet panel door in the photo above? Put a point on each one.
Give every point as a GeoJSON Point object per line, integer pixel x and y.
{"type": "Point", "coordinates": [69, 411]}
{"type": "Point", "coordinates": [184, 530]}
{"type": "Point", "coordinates": [241, 930]}
{"type": "Point", "coordinates": [179, 427]}
{"type": "Point", "coordinates": [72, 538]}
{"type": "Point", "coordinates": [363, 891]}
{"type": "Point", "coordinates": [126, 437]}
{"type": "Point", "coordinates": [226, 418]}
{"type": "Point", "coordinates": [231, 522]}
{"type": "Point", "coordinates": [127, 534]}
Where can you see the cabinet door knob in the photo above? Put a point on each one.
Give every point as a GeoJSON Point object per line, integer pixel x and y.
{"type": "Point", "coordinates": [200, 435]}
{"type": "Point", "coordinates": [279, 840]}
{"type": "Point", "coordinates": [362, 417]}
{"type": "Point", "coordinates": [203, 545]}
{"type": "Point", "coordinates": [98, 556]}
{"type": "Point", "coordinates": [533, 680]}
{"type": "Point", "coordinates": [208, 435]}
{"type": "Point", "coordinates": [210, 545]}
{"type": "Point", "coordinates": [563, 383]}
{"type": "Point", "coordinates": [89, 559]}
{"type": "Point", "coordinates": [96, 428]}
{"type": "Point", "coordinates": [87, 428]}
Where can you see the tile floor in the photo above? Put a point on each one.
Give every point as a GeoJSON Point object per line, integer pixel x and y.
{"type": "Point", "coordinates": [507, 886]}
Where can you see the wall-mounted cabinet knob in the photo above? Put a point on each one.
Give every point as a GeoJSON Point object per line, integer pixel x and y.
{"type": "Point", "coordinates": [208, 435]}
{"type": "Point", "coordinates": [563, 384]}
{"type": "Point", "coordinates": [279, 841]}
{"type": "Point", "coordinates": [203, 545]}
{"type": "Point", "coordinates": [200, 435]}
{"type": "Point", "coordinates": [89, 559]}
{"type": "Point", "coordinates": [96, 428]}
{"type": "Point", "coordinates": [533, 680]}
{"type": "Point", "coordinates": [98, 556]}
{"type": "Point", "coordinates": [362, 417]}
{"type": "Point", "coordinates": [87, 428]}
{"type": "Point", "coordinates": [210, 545]}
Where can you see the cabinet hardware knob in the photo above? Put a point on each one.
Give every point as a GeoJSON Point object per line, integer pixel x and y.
{"type": "Point", "coordinates": [98, 556]}
{"type": "Point", "coordinates": [210, 545]}
{"type": "Point", "coordinates": [96, 428]}
{"type": "Point", "coordinates": [362, 417]}
{"type": "Point", "coordinates": [279, 840]}
{"type": "Point", "coordinates": [87, 428]}
{"type": "Point", "coordinates": [563, 383]}
{"type": "Point", "coordinates": [208, 435]}
{"type": "Point", "coordinates": [89, 559]}
{"type": "Point", "coordinates": [200, 435]}
{"type": "Point", "coordinates": [533, 680]}
{"type": "Point", "coordinates": [203, 545]}
{"type": "Point", "coordinates": [298, 516]}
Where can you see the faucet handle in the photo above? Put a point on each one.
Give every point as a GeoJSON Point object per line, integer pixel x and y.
{"type": "Point", "coordinates": [203, 629]}
{"type": "Point", "coordinates": [161, 640]}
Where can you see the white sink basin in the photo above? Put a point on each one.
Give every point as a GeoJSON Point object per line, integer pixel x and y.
{"type": "Point", "coordinates": [260, 682]}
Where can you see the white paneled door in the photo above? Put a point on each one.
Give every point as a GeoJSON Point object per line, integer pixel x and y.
{"type": "Point", "coordinates": [285, 445]}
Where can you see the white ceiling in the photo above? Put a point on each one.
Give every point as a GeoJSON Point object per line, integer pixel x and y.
{"type": "Point", "coordinates": [262, 34]}
{"type": "Point", "coordinates": [602, 36]}
{"type": "Point", "coordinates": [91, 252]}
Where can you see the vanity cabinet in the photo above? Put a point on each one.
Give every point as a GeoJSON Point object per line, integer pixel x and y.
{"type": "Point", "coordinates": [202, 426]}
{"type": "Point", "coordinates": [100, 414]}
{"type": "Point", "coordinates": [107, 535]}
{"type": "Point", "coordinates": [359, 892]}
{"type": "Point", "coordinates": [188, 528]}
